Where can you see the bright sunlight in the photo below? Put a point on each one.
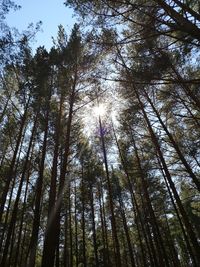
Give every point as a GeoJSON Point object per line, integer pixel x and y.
{"type": "Point", "coordinates": [99, 110]}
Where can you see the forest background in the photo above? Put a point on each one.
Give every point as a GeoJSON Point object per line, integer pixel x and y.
{"type": "Point", "coordinates": [100, 134]}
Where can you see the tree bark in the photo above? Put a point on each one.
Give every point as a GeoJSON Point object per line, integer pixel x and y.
{"type": "Point", "coordinates": [38, 196]}
{"type": "Point", "coordinates": [113, 221]}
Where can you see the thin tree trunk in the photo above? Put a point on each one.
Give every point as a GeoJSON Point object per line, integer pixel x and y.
{"type": "Point", "coordinates": [83, 219]}
{"type": "Point", "coordinates": [76, 225]}
{"type": "Point", "coordinates": [70, 226]}
{"type": "Point", "coordinates": [113, 221]}
{"type": "Point", "coordinates": [106, 259]}
{"type": "Point", "coordinates": [175, 145]}
{"type": "Point", "coordinates": [171, 183]}
{"type": "Point", "coordinates": [7, 215]}
{"type": "Point", "coordinates": [23, 212]}
{"type": "Point", "coordinates": [15, 208]}
{"type": "Point", "coordinates": [122, 212]}
{"type": "Point", "coordinates": [179, 218]}
{"type": "Point", "coordinates": [94, 227]}
{"type": "Point", "coordinates": [155, 227]}
{"type": "Point", "coordinates": [133, 200]}
{"type": "Point", "coordinates": [9, 175]}
{"type": "Point", "coordinates": [4, 109]}
{"type": "Point", "coordinates": [66, 243]}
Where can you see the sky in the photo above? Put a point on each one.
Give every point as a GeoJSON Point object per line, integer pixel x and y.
{"type": "Point", "coordinates": [50, 12]}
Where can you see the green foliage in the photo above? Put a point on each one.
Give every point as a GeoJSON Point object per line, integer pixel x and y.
{"type": "Point", "coordinates": [125, 193]}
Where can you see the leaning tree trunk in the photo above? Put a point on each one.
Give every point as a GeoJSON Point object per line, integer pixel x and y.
{"type": "Point", "coordinates": [185, 218]}
{"type": "Point", "coordinates": [15, 208]}
{"type": "Point", "coordinates": [175, 145]}
{"type": "Point", "coordinates": [9, 175]}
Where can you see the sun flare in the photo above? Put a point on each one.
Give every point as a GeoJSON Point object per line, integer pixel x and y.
{"type": "Point", "coordinates": [99, 110]}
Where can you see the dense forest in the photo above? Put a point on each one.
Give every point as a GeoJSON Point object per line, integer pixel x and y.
{"type": "Point", "coordinates": [100, 138]}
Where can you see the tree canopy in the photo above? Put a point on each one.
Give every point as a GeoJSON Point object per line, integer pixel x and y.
{"type": "Point", "coordinates": [100, 138]}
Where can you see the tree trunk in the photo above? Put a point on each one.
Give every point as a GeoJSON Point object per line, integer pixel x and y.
{"type": "Point", "coordinates": [49, 240]}
{"type": "Point", "coordinates": [53, 235]}
{"type": "Point", "coordinates": [126, 230]}
{"type": "Point", "coordinates": [175, 145]}
{"type": "Point", "coordinates": [94, 227]}
{"type": "Point", "coordinates": [76, 225]}
{"type": "Point", "coordinates": [23, 213]}
{"type": "Point", "coordinates": [38, 197]}
{"type": "Point", "coordinates": [113, 222]}
{"type": "Point", "coordinates": [106, 260]}
{"type": "Point", "coordinates": [9, 175]}
{"type": "Point", "coordinates": [171, 183]}
{"type": "Point", "coordinates": [83, 219]}
{"type": "Point", "coordinates": [15, 208]}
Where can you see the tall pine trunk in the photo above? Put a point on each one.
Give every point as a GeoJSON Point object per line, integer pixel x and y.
{"type": "Point", "coordinates": [38, 196]}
